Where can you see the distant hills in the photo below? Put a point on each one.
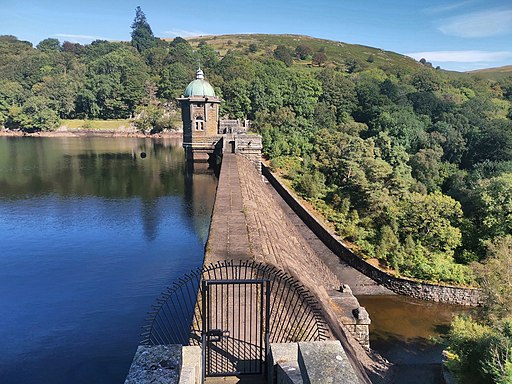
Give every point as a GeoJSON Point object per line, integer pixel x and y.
{"type": "Point", "coordinates": [338, 53]}
{"type": "Point", "coordinates": [494, 73]}
{"type": "Point", "coordinates": [506, 68]}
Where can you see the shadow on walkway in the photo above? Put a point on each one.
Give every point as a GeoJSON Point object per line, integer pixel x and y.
{"type": "Point", "coordinates": [237, 379]}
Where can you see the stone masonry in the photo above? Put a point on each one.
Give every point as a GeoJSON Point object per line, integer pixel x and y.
{"type": "Point", "coordinates": [229, 237]}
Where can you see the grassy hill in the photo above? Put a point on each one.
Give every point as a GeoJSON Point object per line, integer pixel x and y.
{"type": "Point", "coordinates": [494, 73]}
{"type": "Point", "coordinates": [338, 53]}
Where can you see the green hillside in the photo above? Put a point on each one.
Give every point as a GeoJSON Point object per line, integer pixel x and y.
{"type": "Point", "coordinates": [494, 73]}
{"type": "Point", "coordinates": [338, 53]}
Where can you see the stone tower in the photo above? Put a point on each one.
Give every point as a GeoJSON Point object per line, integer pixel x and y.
{"type": "Point", "coordinates": [200, 115]}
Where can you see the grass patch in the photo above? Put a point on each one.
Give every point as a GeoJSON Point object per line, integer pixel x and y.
{"type": "Point", "coordinates": [96, 124]}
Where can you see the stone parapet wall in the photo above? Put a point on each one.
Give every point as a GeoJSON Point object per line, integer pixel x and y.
{"type": "Point", "coordinates": [402, 286]}
{"type": "Point", "coordinates": [354, 317]}
{"type": "Point", "coordinates": [156, 364]}
{"type": "Point", "coordinates": [247, 145]}
{"type": "Point", "coordinates": [310, 362]}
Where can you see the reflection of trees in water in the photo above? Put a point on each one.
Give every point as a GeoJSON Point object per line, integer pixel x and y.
{"type": "Point", "coordinates": [150, 219]}
{"type": "Point", "coordinates": [105, 168]}
{"type": "Point", "coordinates": [200, 186]}
{"type": "Point", "coordinates": [110, 168]}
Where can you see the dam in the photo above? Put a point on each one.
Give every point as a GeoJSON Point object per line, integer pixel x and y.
{"type": "Point", "coordinates": [262, 291]}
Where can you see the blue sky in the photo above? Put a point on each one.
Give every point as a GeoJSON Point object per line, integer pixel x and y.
{"type": "Point", "coordinates": [459, 35]}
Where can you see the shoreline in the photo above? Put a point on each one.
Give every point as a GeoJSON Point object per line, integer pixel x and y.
{"type": "Point", "coordinates": [91, 132]}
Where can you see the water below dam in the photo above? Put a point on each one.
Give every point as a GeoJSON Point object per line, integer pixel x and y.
{"type": "Point", "coordinates": [409, 333]}
{"type": "Point", "coordinates": [91, 232]}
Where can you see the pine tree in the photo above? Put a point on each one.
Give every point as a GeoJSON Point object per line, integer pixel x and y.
{"type": "Point", "coordinates": [142, 35]}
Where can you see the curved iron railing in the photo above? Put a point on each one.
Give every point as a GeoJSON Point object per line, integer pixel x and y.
{"type": "Point", "coordinates": [176, 317]}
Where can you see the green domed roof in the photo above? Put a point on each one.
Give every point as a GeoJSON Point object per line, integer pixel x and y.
{"type": "Point", "coordinates": [199, 87]}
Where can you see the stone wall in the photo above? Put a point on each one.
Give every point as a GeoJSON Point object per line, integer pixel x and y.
{"type": "Point", "coordinates": [354, 317]}
{"type": "Point", "coordinates": [249, 146]}
{"type": "Point", "coordinates": [156, 364]}
{"type": "Point", "coordinates": [402, 286]}
{"type": "Point", "coordinates": [246, 145]}
{"type": "Point", "coordinates": [310, 362]}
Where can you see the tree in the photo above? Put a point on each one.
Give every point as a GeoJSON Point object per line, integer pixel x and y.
{"type": "Point", "coordinates": [483, 349]}
{"type": "Point", "coordinates": [311, 184]}
{"type": "Point", "coordinates": [207, 55]}
{"type": "Point", "coordinates": [426, 81]}
{"type": "Point", "coordinates": [494, 206]}
{"type": "Point", "coordinates": [302, 94]}
{"type": "Point", "coordinates": [151, 118]}
{"type": "Point", "coordinates": [431, 219]}
{"type": "Point", "coordinates": [494, 141]}
{"type": "Point", "coordinates": [319, 58]}
{"type": "Point", "coordinates": [49, 45]}
{"type": "Point", "coordinates": [115, 84]}
{"type": "Point", "coordinates": [339, 92]}
{"type": "Point", "coordinates": [403, 125]}
{"type": "Point", "coordinates": [427, 168]}
{"type": "Point", "coordinates": [142, 35]}
{"type": "Point", "coordinates": [303, 51]}
{"type": "Point", "coordinates": [61, 91]}
{"type": "Point", "coordinates": [234, 65]}
{"type": "Point", "coordinates": [495, 276]}
{"type": "Point", "coordinates": [173, 81]}
{"type": "Point", "coordinates": [182, 52]}
{"type": "Point", "coordinates": [355, 65]}
{"type": "Point", "coordinates": [74, 48]}
{"type": "Point", "coordinates": [283, 53]}
{"type": "Point", "coordinates": [481, 353]}
{"type": "Point", "coordinates": [236, 92]}
{"type": "Point", "coordinates": [34, 115]}
{"type": "Point", "coordinates": [450, 138]}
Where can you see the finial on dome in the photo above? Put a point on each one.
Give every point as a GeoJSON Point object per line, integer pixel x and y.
{"type": "Point", "coordinates": [199, 74]}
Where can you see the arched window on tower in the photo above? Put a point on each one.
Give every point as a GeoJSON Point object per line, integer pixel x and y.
{"type": "Point", "coordinates": [199, 123]}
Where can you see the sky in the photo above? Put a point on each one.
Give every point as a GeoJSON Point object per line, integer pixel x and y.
{"type": "Point", "coordinates": [459, 35]}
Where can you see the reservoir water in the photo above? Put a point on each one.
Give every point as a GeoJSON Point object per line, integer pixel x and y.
{"type": "Point", "coordinates": [91, 232]}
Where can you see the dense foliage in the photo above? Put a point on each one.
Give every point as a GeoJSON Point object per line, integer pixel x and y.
{"type": "Point", "coordinates": [411, 165]}
{"type": "Point", "coordinates": [480, 351]}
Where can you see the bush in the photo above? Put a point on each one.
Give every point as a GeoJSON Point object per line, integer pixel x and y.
{"type": "Point", "coordinates": [153, 119]}
{"type": "Point", "coordinates": [310, 184]}
{"type": "Point", "coordinates": [284, 54]}
{"type": "Point", "coordinates": [482, 353]}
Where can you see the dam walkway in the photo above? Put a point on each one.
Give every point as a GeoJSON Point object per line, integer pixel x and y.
{"type": "Point", "coordinates": [252, 221]}
{"type": "Point", "coordinates": [263, 266]}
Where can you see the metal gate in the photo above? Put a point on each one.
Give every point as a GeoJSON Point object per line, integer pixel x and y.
{"type": "Point", "coordinates": [235, 326]}
{"type": "Point", "coordinates": [233, 310]}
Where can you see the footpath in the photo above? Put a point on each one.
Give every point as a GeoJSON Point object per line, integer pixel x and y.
{"type": "Point", "coordinates": [248, 224]}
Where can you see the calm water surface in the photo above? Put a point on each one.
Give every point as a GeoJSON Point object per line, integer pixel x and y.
{"type": "Point", "coordinates": [410, 332]}
{"type": "Point", "coordinates": [90, 234]}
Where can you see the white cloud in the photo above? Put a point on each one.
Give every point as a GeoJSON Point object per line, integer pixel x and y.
{"type": "Point", "coordinates": [462, 56]}
{"type": "Point", "coordinates": [79, 38]}
{"type": "Point", "coordinates": [184, 33]}
{"type": "Point", "coordinates": [479, 24]}
{"type": "Point", "coordinates": [447, 7]}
